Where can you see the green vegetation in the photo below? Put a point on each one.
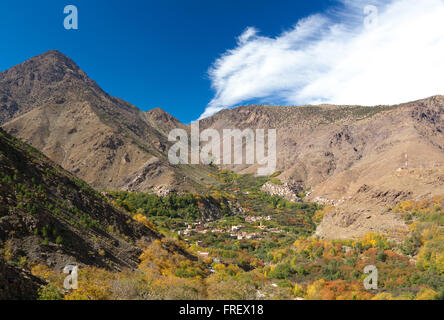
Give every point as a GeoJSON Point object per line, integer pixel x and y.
{"type": "Point", "coordinates": [50, 292]}
{"type": "Point", "coordinates": [150, 205]}
{"type": "Point", "coordinates": [299, 266]}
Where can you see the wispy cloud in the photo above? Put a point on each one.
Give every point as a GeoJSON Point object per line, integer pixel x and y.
{"type": "Point", "coordinates": [334, 57]}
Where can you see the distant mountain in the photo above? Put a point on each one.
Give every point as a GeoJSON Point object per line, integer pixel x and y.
{"type": "Point", "coordinates": [353, 157]}
{"type": "Point", "coordinates": [49, 102]}
{"type": "Point", "coordinates": [50, 217]}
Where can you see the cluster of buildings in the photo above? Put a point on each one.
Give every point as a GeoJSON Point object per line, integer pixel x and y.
{"type": "Point", "coordinates": [198, 228]}
{"type": "Point", "coordinates": [235, 231]}
{"type": "Point", "coordinates": [244, 235]}
{"type": "Point", "coordinates": [251, 219]}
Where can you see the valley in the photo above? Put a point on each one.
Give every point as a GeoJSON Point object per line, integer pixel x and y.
{"type": "Point", "coordinates": [85, 180]}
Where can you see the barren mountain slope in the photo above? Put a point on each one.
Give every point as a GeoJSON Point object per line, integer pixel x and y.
{"type": "Point", "coordinates": [49, 102]}
{"type": "Point", "coordinates": [48, 216]}
{"type": "Point", "coordinates": [17, 283]}
{"type": "Point", "coordinates": [349, 156]}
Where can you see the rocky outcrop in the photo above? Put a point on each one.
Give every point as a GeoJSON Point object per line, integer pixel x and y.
{"type": "Point", "coordinates": [17, 283]}
{"type": "Point", "coordinates": [288, 191]}
{"type": "Point", "coordinates": [162, 190]}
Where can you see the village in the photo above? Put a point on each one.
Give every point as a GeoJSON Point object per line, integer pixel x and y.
{"type": "Point", "coordinates": [236, 232]}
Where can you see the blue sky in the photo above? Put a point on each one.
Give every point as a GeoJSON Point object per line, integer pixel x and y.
{"type": "Point", "coordinates": [150, 53]}
{"type": "Point", "coordinates": [193, 58]}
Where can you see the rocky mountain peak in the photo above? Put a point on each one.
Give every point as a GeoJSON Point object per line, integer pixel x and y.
{"type": "Point", "coordinates": [51, 66]}
{"type": "Point", "coordinates": [42, 80]}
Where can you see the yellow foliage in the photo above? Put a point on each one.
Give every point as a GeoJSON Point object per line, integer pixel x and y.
{"type": "Point", "coordinates": [143, 220]}
{"type": "Point", "coordinates": [94, 284]}
{"type": "Point", "coordinates": [414, 226]}
{"type": "Point", "coordinates": [228, 288]}
{"type": "Point", "coordinates": [160, 260]}
{"type": "Point", "coordinates": [373, 240]}
{"type": "Point", "coordinates": [383, 296]}
{"type": "Point", "coordinates": [90, 291]}
{"type": "Point", "coordinates": [425, 206]}
{"type": "Point", "coordinates": [314, 290]}
{"type": "Point", "coordinates": [219, 267]}
{"type": "Point", "coordinates": [298, 290]}
{"type": "Point", "coordinates": [43, 271]}
{"type": "Point", "coordinates": [427, 294]}
{"type": "Point", "coordinates": [174, 288]}
{"type": "Point", "coordinates": [319, 214]}
{"type": "Point", "coordinates": [431, 255]}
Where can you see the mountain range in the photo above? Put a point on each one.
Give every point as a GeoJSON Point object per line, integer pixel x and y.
{"type": "Point", "coordinates": [49, 102]}
{"type": "Point", "coordinates": [358, 160]}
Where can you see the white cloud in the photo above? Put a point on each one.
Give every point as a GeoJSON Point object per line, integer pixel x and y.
{"type": "Point", "coordinates": [334, 58]}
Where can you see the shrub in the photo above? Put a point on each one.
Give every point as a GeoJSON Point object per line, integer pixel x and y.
{"type": "Point", "coordinates": [49, 292]}
{"type": "Point", "coordinates": [281, 271]}
{"type": "Point", "coordinates": [59, 240]}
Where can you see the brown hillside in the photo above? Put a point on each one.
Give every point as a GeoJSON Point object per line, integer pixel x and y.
{"type": "Point", "coordinates": [349, 156]}
{"type": "Point", "coordinates": [49, 102]}
{"type": "Point", "coordinates": [47, 216]}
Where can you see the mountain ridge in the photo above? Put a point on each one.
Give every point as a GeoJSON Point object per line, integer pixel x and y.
{"type": "Point", "coordinates": [350, 157]}
{"type": "Point", "coordinates": [338, 154]}
{"type": "Point", "coordinates": [52, 104]}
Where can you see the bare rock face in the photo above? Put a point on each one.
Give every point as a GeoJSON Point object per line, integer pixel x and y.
{"type": "Point", "coordinates": [162, 121]}
{"type": "Point", "coordinates": [288, 191]}
{"type": "Point", "coordinates": [337, 150]}
{"type": "Point", "coordinates": [162, 191]}
{"type": "Point", "coordinates": [145, 177]}
{"type": "Point", "coordinates": [17, 283]}
{"type": "Point", "coordinates": [368, 209]}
